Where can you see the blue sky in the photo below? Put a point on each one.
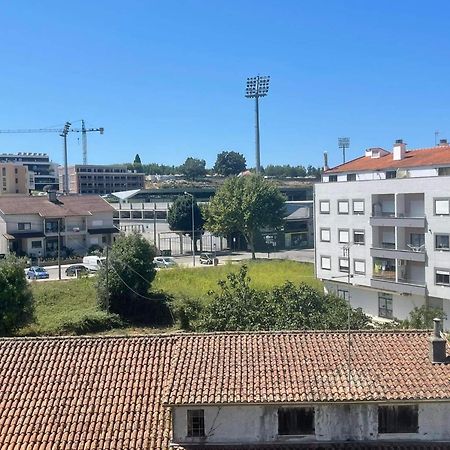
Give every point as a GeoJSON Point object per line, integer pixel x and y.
{"type": "Point", "coordinates": [166, 78]}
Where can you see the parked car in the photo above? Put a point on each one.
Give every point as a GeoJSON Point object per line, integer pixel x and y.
{"type": "Point", "coordinates": [75, 269]}
{"type": "Point", "coordinates": [37, 273]}
{"type": "Point", "coordinates": [208, 258]}
{"type": "Point", "coordinates": [164, 262]}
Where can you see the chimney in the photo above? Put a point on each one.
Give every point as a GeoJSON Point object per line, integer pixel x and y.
{"type": "Point", "coordinates": [443, 143]}
{"type": "Point", "coordinates": [325, 161]}
{"type": "Point", "coordinates": [438, 352]}
{"type": "Point", "coordinates": [52, 197]}
{"type": "Point", "coordinates": [399, 150]}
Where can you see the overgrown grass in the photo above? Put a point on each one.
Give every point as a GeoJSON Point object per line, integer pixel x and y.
{"type": "Point", "coordinates": [264, 274]}
{"type": "Point", "coordinates": [70, 307]}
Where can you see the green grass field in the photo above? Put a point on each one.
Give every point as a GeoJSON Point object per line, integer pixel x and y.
{"type": "Point", "coordinates": [69, 307]}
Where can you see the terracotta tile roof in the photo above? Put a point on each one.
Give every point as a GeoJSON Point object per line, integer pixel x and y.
{"type": "Point", "coordinates": [434, 156]}
{"type": "Point", "coordinates": [112, 393]}
{"type": "Point", "coordinates": [70, 205]}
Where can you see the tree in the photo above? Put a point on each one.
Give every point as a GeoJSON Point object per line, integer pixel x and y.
{"type": "Point", "coordinates": [125, 279]}
{"type": "Point", "coordinates": [230, 163]}
{"type": "Point", "coordinates": [422, 317]}
{"type": "Point", "coordinates": [179, 217]}
{"type": "Point", "coordinates": [239, 307]}
{"type": "Point", "coordinates": [194, 168]}
{"type": "Point", "coordinates": [137, 159]}
{"type": "Point", "coordinates": [246, 205]}
{"type": "Point", "coordinates": [16, 299]}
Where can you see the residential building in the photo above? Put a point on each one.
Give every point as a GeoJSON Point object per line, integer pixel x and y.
{"type": "Point", "coordinates": [100, 179]}
{"type": "Point", "coordinates": [13, 179]}
{"type": "Point", "coordinates": [384, 221]}
{"type": "Point", "coordinates": [41, 171]}
{"type": "Point", "coordinates": [277, 390]}
{"type": "Point", "coordinates": [30, 225]}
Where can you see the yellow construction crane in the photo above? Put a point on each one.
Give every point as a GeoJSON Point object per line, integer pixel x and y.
{"type": "Point", "coordinates": [63, 132]}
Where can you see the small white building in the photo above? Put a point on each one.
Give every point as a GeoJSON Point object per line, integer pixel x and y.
{"type": "Point", "coordinates": [384, 220]}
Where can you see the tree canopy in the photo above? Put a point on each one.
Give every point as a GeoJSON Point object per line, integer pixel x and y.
{"type": "Point", "coordinates": [246, 205]}
{"type": "Point", "coordinates": [16, 299]}
{"type": "Point", "coordinates": [126, 278]}
{"type": "Point", "coordinates": [230, 163]}
{"type": "Point", "coordinates": [137, 159]}
{"type": "Point", "coordinates": [239, 307]}
{"type": "Point", "coordinates": [179, 217]}
{"type": "Point", "coordinates": [194, 168]}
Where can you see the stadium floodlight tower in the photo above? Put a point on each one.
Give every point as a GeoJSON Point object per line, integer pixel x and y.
{"type": "Point", "coordinates": [257, 87]}
{"type": "Point", "coordinates": [343, 142]}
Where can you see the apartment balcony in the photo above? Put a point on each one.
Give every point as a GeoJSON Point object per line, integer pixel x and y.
{"type": "Point", "coordinates": [403, 287]}
{"type": "Point", "coordinates": [392, 221]}
{"type": "Point", "coordinates": [392, 253]}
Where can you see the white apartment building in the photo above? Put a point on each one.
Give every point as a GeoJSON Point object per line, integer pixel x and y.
{"type": "Point", "coordinates": [383, 220]}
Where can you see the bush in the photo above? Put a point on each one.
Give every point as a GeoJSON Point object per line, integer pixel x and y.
{"type": "Point", "coordinates": [16, 299]}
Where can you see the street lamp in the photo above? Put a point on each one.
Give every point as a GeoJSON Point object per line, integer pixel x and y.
{"type": "Point", "coordinates": [257, 87]}
{"type": "Point", "coordinates": [193, 227]}
{"type": "Point", "coordinates": [343, 142]}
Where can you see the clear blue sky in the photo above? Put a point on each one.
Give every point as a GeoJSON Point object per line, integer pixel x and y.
{"type": "Point", "coordinates": [166, 78]}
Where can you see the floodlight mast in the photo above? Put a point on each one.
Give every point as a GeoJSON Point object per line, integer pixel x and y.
{"type": "Point", "coordinates": [257, 87]}
{"type": "Point", "coordinates": [343, 142]}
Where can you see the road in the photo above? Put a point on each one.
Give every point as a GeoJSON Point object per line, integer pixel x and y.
{"type": "Point", "coordinates": [305, 255]}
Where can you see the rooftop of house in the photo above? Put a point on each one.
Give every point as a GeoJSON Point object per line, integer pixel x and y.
{"type": "Point", "coordinates": [425, 157]}
{"type": "Point", "coordinates": [113, 392]}
{"type": "Point", "coordinates": [65, 206]}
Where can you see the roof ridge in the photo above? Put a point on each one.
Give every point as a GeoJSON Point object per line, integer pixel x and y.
{"type": "Point", "coordinates": [215, 333]}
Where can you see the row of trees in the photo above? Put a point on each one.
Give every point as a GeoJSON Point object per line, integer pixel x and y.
{"type": "Point", "coordinates": [242, 205]}
{"type": "Point", "coordinates": [228, 163]}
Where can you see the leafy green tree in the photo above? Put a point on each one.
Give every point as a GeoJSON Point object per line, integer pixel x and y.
{"type": "Point", "coordinates": [246, 205]}
{"type": "Point", "coordinates": [125, 279]}
{"type": "Point", "coordinates": [16, 298]}
{"type": "Point", "coordinates": [422, 317]}
{"type": "Point", "coordinates": [239, 307]}
{"type": "Point", "coordinates": [230, 163]}
{"type": "Point", "coordinates": [137, 164]}
{"type": "Point", "coordinates": [179, 217]}
{"type": "Point", "coordinates": [194, 168]}
{"type": "Point", "coordinates": [137, 159]}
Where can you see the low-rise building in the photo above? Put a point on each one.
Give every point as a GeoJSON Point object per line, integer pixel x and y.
{"type": "Point", "coordinates": [383, 220]}
{"type": "Point", "coordinates": [277, 390]}
{"type": "Point", "coordinates": [32, 225]}
{"type": "Point", "coordinates": [14, 179]}
{"type": "Point", "coordinates": [100, 179]}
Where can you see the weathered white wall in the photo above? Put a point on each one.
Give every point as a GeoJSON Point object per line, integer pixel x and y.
{"type": "Point", "coordinates": [333, 422]}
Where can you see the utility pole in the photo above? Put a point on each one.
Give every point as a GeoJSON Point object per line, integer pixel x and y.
{"type": "Point", "coordinates": [257, 87]}
{"type": "Point", "coordinates": [154, 224]}
{"type": "Point", "coordinates": [66, 167]}
{"type": "Point", "coordinates": [107, 278]}
{"type": "Point", "coordinates": [84, 142]}
{"type": "Point", "coordinates": [343, 143]}
{"type": "Point", "coordinates": [59, 248]}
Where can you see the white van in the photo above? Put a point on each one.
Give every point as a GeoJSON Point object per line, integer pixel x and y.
{"type": "Point", "coordinates": [94, 262]}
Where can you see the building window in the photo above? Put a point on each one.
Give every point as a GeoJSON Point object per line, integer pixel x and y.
{"type": "Point", "coordinates": [342, 206]}
{"type": "Point", "coordinates": [351, 177]}
{"type": "Point", "coordinates": [325, 262]}
{"type": "Point", "coordinates": [359, 237]}
{"type": "Point", "coordinates": [441, 207]}
{"type": "Point", "coordinates": [342, 293]}
{"type": "Point", "coordinates": [343, 264]}
{"type": "Point", "coordinates": [324, 207]}
{"type": "Point", "coordinates": [358, 206]}
{"type": "Point", "coordinates": [398, 419]}
{"type": "Point", "coordinates": [4, 171]}
{"type": "Point", "coordinates": [443, 277]}
{"type": "Point", "coordinates": [195, 423]}
{"type": "Point", "coordinates": [359, 266]}
{"type": "Point", "coordinates": [332, 178]}
{"type": "Point", "coordinates": [344, 236]}
{"type": "Point", "coordinates": [325, 235]}
{"type": "Point", "coordinates": [391, 174]}
{"type": "Point", "coordinates": [16, 171]}
{"type": "Point", "coordinates": [443, 171]}
{"type": "Point", "coordinates": [23, 226]}
{"type": "Point", "coordinates": [385, 305]}
{"type": "Point", "coordinates": [296, 421]}
{"type": "Point", "coordinates": [36, 244]}
{"type": "Point", "coordinates": [442, 242]}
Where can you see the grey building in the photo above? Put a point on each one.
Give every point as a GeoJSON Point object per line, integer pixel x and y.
{"type": "Point", "coordinates": [383, 220]}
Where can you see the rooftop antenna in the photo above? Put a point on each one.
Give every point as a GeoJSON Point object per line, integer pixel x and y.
{"type": "Point", "coordinates": [436, 134]}
{"type": "Point", "coordinates": [343, 142]}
